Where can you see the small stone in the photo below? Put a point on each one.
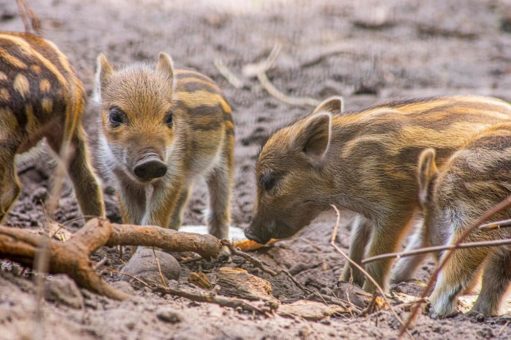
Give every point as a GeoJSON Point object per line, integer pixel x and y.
{"type": "Point", "coordinates": [167, 314]}
{"type": "Point", "coordinates": [144, 265]}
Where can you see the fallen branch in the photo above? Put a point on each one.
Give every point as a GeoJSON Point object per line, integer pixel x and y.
{"type": "Point", "coordinates": [425, 250]}
{"type": "Point", "coordinates": [489, 213]}
{"type": "Point", "coordinates": [72, 256]}
{"type": "Point", "coordinates": [359, 267]}
{"type": "Point", "coordinates": [166, 239]}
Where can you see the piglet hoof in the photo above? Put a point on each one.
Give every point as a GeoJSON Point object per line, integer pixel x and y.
{"type": "Point", "coordinates": [436, 315]}
{"type": "Point", "coordinates": [225, 254]}
{"type": "Point", "coordinates": [151, 266]}
{"type": "Point", "coordinates": [476, 315]}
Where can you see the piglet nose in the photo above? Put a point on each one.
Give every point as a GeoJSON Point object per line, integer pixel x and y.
{"type": "Point", "coordinates": [251, 235]}
{"type": "Point", "coordinates": [150, 167]}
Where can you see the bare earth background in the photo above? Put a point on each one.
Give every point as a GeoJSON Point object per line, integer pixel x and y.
{"type": "Point", "coordinates": [390, 49]}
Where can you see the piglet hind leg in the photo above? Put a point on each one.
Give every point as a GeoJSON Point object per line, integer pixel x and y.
{"type": "Point", "coordinates": [455, 277]}
{"type": "Point", "coordinates": [10, 187]}
{"type": "Point", "coordinates": [496, 280]}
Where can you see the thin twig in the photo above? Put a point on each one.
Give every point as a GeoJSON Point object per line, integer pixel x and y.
{"type": "Point", "coordinates": [425, 250]}
{"type": "Point", "coordinates": [496, 225]}
{"type": "Point", "coordinates": [506, 203]}
{"type": "Point", "coordinates": [100, 263]}
{"type": "Point", "coordinates": [504, 326]}
{"type": "Point", "coordinates": [264, 267]}
{"type": "Point", "coordinates": [359, 267]}
{"type": "Point", "coordinates": [233, 79]}
{"type": "Point", "coordinates": [30, 20]}
{"type": "Point", "coordinates": [272, 90]}
{"type": "Point", "coordinates": [162, 278]}
{"type": "Point", "coordinates": [42, 260]}
{"type": "Point", "coordinates": [210, 297]}
{"type": "Point", "coordinates": [252, 70]}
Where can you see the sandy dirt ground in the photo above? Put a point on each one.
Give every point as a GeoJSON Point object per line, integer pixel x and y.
{"type": "Point", "coordinates": [367, 51]}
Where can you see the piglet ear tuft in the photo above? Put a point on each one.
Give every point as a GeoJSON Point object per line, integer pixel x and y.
{"type": "Point", "coordinates": [427, 173]}
{"type": "Point", "coordinates": [104, 72]}
{"type": "Point", "coordinates": [332, 105]}
{"type": "Point", "coordinates": [165, 66]}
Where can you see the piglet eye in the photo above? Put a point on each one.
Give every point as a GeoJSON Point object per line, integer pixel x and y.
{"type": "Point", "coordinates": [169, 119]}
{"type": "Point", "coordinates": [116, 117]}
{"type": "Point", "coordinates": [268, 181]}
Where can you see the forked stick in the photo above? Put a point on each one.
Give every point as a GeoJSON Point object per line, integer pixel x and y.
{"type": "Point", "coordinates": [259, 70]}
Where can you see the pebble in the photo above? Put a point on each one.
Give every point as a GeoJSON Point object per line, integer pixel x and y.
{"type": "Point", "coordinates": [167, 314]}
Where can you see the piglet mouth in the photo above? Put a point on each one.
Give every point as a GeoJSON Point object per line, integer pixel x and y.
{"type": "Point", "coordinates": [251, 235]}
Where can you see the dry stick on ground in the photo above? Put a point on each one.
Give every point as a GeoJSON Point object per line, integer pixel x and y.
{"type": "Point", "coordinates": [203, 297]}
{"type": "Point", "coordinates": [42, 262]}
{"type": "Point", "coordinates": [489, 213]}
{"type": "Point", "coordinates": [259, 264]}
{"type": "Point", "coordinates": [359, 267]}
{"type": "Point", "coordinates": [210, 297]}
{"type": "Point", "coordinates": [265, 268]}
{"type": "Point", "coordinates": [425, 250]}
{"type": "Point", "coordinates": [228, 74]}
{"type": "Point", "coordinates": [259, 70]}
{"type": "Point", "coordinates": [72, 257]}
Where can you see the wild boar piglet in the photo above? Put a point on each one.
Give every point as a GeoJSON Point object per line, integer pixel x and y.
{"type": "Point", "coordinates": [365, 162]}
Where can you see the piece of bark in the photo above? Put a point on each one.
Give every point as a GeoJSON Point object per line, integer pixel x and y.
{"type": "Point", "coordinates": [200, 280]}
{"type": "Point", "coordinates": [238, 282]}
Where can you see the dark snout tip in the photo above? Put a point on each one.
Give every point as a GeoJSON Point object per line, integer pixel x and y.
{"type": "Point", "coordinates": [150, 168]}
{"type": "Point", "coordinates": [251, 235]}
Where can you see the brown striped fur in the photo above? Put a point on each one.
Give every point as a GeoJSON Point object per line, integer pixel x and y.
{"type": "Point", "coordinates": [41, 96]}
{"type": "Point", "coordinates": [198, 142]}
{"type": "Point", "coordinates": [453, 197]}
{"type": "Point", "coordinates": [365, 162]}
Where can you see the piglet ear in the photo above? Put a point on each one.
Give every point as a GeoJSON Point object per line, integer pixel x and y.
{"type": "Point", "coordinates": [333, 105]}
{"type": "Point", "coordinates": [427, 173]}
{"type": "Point", "coordinates": [165, 66]}
{"type": "Point", "coordinates": [313, 137]}
{"type": "Point", "coordinates": [104, 72]}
